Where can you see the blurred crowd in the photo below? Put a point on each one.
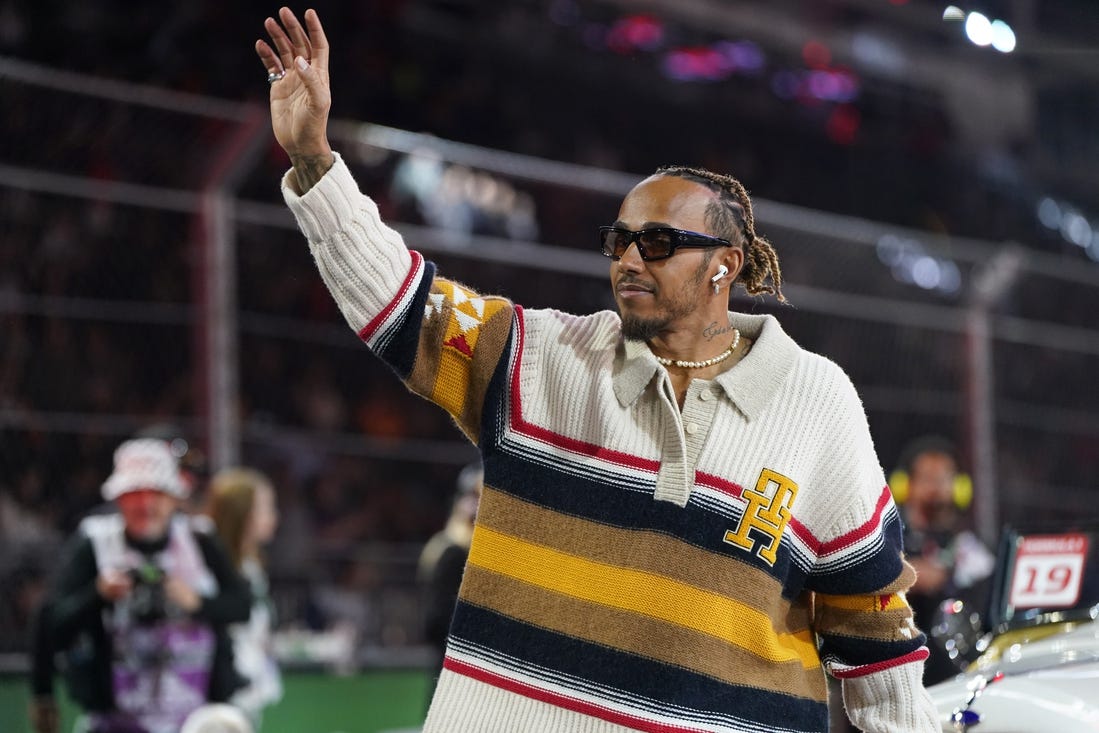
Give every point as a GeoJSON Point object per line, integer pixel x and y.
{"type": "Point", "coordinates": [530, 78]}
{"type": "Point", "coordinates": [322, 418]}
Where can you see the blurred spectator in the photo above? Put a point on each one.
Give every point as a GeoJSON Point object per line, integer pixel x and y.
{"type": "Point", "coordinates": [42, 713]}
{"type": "Point", "coordinates": [193, 467]}
{"type": "Point", "coordinates": [443, 561]}
{"type": "Point", "coordinates": [25, 517]}
{"type": "Point", "coordinates": [242, 505]}
{"type": "Point", "coordinates": [340, 511]}
{"type": "Point", "coordinates": [948, 557]}
{"type": "Point", "coordinates": [342, 605]}
{"type": "Point", "coordinates": [344, 601]}
{"type": "Point", "coordinates": [140, 606]}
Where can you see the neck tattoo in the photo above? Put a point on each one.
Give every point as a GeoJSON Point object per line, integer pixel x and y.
{"type": "Point", "coordinates": [683, 364]}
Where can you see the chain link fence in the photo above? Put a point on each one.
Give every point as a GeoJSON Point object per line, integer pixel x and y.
{"type": "Point", "coordinates": [149, 274]}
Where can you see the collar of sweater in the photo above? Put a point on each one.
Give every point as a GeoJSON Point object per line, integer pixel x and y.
{"type": "Point", "coordinates": [751, 384]}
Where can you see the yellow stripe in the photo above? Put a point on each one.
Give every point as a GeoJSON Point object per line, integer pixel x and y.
{"type": "Point", "coordinates": [640, 592]}
{"type": "Point", "coordinates": [452, 377]}
{"type": "Point", "coordinates": [865, 603]}
{"type": "Point", "coordinates": [451, 381]}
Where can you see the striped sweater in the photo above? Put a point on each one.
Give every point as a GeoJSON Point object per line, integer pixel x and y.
{"type": "Point", "coordinates": [637, 566]}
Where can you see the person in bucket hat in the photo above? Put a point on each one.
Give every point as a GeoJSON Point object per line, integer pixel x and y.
{"type": "Point", "coordinates": [141, 603]}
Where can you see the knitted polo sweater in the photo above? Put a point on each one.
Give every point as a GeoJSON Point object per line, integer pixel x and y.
{"type": "Point", "coordinates": [637, 566]}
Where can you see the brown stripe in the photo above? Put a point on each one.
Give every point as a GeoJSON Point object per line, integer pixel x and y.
{"type": "Point", "coordinates": [425, 368]}
{"type": "Point", "coordinates": [491, 340]}
{"type": "Point", "coordinates": [490, 344]}
{"type": "Point", "coordinates": [644, 550]}
{"type": "Point", "coordinates": [865, 624]}
{"type": "Point", "coordinates": [903, 582]}
{"type": "Point", "coordinates": [637, 634]}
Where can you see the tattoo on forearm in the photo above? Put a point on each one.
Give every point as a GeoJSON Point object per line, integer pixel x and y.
{"type": "Point", "coordinates": [713, 330]}
{"type": "Point", "coordinates": [309, 169]}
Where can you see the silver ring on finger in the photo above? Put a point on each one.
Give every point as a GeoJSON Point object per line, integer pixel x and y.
{"type": "Point", "coordinates": [274, 76]}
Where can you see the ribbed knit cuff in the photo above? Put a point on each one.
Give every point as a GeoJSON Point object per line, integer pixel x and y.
{"type": "Point", "coordinates": [322, 208]}
{"type": "Point", "coordinates": [891, 701]}
{"type": "Point", "coordinates": [363, 262]}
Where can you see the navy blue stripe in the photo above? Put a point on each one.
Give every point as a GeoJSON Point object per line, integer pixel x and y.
{"type": "Point", "coordinates": [399, 344]}
{"type": "Point", "coordinates": [663, 684]}
{"type": "Point", "coordinates": [596, 496]}
{"type": "Point", "coordinates": [857, 652]}
{"type": "Point", "coordinates": [605, 497]}
{"type": "Point", "coordinates": [872, 571]}
{"type": "Point", "coordinates": [494, 418]}
{"type": "Point", "coordinates": [599, 500]}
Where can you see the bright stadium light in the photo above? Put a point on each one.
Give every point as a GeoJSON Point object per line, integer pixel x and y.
{"type": "Point", "coordinates": [1003, 38]}
{"type": "Point", "coordinates": [1076, 228]}
{"type": "Point", "coordinates": [979, 29]}
{"type": "Point", "coordinates": [953, 12]}
{"type": "Point", "coordinates": [926, 273]}
{"type": "Point", "coordinates": [1049, 213]}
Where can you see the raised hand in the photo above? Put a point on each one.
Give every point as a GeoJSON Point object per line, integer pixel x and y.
{"type": "Point", "coordinates": [301, 98]}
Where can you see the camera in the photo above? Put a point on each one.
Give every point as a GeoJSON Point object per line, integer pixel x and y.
{"type": "Point", "coordinates": [148, 603]}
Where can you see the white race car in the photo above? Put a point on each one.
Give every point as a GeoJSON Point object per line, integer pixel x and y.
{"type": "Point", "coordinates": [1038, 641]}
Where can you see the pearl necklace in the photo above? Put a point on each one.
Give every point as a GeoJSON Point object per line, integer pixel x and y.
{"type": "Point", "coordinates": [706, 362]}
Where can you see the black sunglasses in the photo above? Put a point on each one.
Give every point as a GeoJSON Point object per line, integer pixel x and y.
{"type": "Point", "coordinates": [657, 243]}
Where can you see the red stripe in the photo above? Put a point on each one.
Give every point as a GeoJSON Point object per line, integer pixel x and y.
{"type": "Point", "coordinates": [716, 482]}
{"type": "Point", "coordinates": [368, 330]}
{"type": "Point", "coordinates": [519, 425]}
{"type": "Point", "coordinates": [917, 656]}
{"type": "Point", "coordinates": [563, 701]}
{"type": "Point", "coordinates": [852, 537]}
{"type": "Point", "coordinates": [801, 531]}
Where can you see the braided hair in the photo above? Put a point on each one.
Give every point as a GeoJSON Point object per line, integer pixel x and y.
{"type": "Point", "coordinates": [731, 217]}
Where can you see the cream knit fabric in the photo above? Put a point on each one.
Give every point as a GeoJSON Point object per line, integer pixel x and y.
{"type": "Point", "coordinates": [637, 566]}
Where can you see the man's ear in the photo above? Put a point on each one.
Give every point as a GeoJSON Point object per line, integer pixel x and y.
{"type": "Point", "coordinates": [733, 258]}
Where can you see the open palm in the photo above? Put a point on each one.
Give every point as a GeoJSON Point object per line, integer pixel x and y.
{"type": "Point", "coordinates": [301, 100]}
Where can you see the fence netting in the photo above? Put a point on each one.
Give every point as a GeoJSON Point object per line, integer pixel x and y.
{"type": "Point", "coordinates": [106, 295]}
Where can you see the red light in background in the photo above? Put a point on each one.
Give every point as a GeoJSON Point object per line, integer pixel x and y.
{"type": "Point", "coordinates": [633, 32]}
{"type": "Point", "coordinates": [696, 63]}
{"type": "Point", "coordinates": [816, 55]}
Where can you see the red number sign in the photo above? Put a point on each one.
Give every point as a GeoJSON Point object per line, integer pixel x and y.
{"type": "Point", "coordinates": [1048, 571]}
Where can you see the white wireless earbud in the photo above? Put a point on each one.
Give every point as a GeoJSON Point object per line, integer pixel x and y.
{"type": "Point", "coordinates": [722, 271]}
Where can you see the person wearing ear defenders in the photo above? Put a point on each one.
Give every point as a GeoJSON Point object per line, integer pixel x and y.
{"type": "Point", "coordinates": [949, 559]}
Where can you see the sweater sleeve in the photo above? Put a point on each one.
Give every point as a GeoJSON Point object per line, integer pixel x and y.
{"type": "Point", "coordinates": [364, 263]}
{"type": "Point", "coordinates": [864, 624]}
{"type": "Point", "coordinates": [442, 338]}
{"type": "Point", "coordinates": [891, 700]}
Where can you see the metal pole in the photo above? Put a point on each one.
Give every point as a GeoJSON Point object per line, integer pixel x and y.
{"type": "Point", "coordinates": [981, 424]}
{"type": "Point", "coordinates": [990, 283]}
{"type": "Point", "coordinates": [216, 327]}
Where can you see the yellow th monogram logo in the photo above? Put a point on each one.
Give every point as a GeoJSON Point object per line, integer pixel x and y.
{"type": "Point", "coordinates": [768, 511]}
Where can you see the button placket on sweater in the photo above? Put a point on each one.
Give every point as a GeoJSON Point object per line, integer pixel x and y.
{"type": "Point", "coordinates": [698, 415]}
{"type": "Point", "coordinates": [684, 435]}
{"type": "Point", "coordinates": [671, 480]}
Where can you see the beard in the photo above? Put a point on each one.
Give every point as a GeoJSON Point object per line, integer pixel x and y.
{"type": "Point", "coordinates": [635, 328]}
{"type": "Point", "coordinates": [678, 305]}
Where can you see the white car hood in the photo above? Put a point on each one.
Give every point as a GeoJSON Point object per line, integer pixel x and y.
{"type": "Point", "coordinates": [1048, 686]}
